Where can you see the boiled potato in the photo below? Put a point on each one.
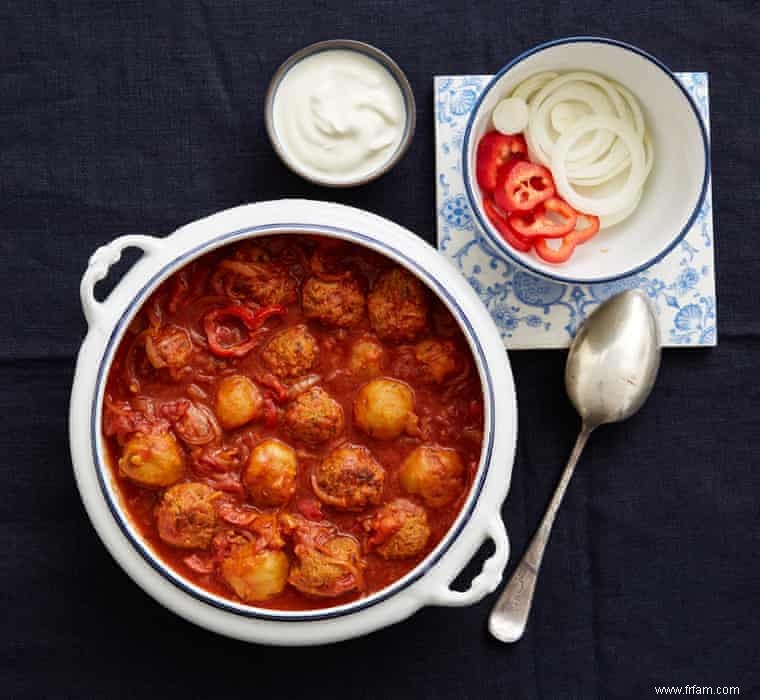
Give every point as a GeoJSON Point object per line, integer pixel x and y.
{"type": "Point", "coordinates": [253, 574]}
{"type": "Point", "coordinates": [270, 476]}
{"type": "Point", "coordinates": [434, 473]}
{"type": "Point", "coordinates": [384, 408]}
{"type": "Point", "coordinates": [238, 401]}
{"type": "Point", "coordinates": [152, 459]}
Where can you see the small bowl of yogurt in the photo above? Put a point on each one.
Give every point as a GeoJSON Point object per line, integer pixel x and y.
{"type": "Point", "coordinates": [340, 113]}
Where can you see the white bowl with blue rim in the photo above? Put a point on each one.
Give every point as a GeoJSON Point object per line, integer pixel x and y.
{"type": "Point", "coordinates": [675, 189]}
{"type": "Point", "coordinates": [429, 583]}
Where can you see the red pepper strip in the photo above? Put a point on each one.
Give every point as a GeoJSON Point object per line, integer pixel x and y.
{"type": "Point", "coordinates": [558, 255]}
{"type": "Point", "coordinates": [499, 220]}
{"type": "Point", "coordinates": [263, 314]}
{"type": "Point", "coordinates": [252, 320]}
{"type": "Point", "coordinates": [279, 390]}
{"type": "Point", "coordinates": [554, 218]}
{"type": "Point", "coordinates": [581, 235]}
{"type": "Point", "coordinates": [495, 149]}
{"type": "Point", "coordinates": [523, 186]}
{"type": "Point", "coordinates": [575, 238]}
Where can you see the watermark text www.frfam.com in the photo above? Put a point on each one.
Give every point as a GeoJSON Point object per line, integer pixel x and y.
{"type": "Point", "coordinates": [696, 690]}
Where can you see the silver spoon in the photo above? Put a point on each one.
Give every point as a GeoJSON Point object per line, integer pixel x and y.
{"type": "Point", "coordinates": [610, 371]}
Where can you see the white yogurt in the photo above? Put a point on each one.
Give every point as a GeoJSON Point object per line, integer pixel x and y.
{"type": "Point", "coordinates": [339, 115]}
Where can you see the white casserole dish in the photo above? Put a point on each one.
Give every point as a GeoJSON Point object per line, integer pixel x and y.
{"type": "Point", "coordinates": [429, 582]}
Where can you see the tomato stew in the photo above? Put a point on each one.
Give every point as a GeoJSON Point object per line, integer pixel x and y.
{"type": "Point", "coordinates": [293, 422]}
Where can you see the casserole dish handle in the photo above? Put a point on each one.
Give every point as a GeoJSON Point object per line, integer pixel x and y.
{"type": "Point", "coordinates": [490, 576]}
{"type": "Point", "coordinates": [101, 261]}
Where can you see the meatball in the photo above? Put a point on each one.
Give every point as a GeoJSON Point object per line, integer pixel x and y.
{"type": "Point", "coordinates": [255, 574]}
{"type": "Point", "coordinates": [238, 401]}
{"type": "Point", "coordinates": [291, 352]}
{"type": "Point", "coordinates": [314, 416]}
{"type": "Point", "coordinates": [437, 359]}
{"type": "Point", "coordinates": [329, 571]}
{"type": "Point", "coordinates": [349, 478]}
{"type": "Point", "coordinates": [384, 408]}
{"type": "Point", "coordinates": [152, 459]}
{"type": "Point", "coordinates": [328, 564]}
{"type": "Point", "coordinates": [270, 476]}
{"type": "Point", "coordinates": [366, 358]}
{"type": "Point", "coordinates": [168, 347]}
{"type": "Point", "coordinates": [399, 529]}
{"type": "Point", "coordinates": [436, 474]}
{"type": "Point", "coordinates": [338, 303]}
{"type": "Point", "coordinates": [398, 305]}
{"type": "Point", "coordinates": [186, 516]}
{"type": "Point", "coordinates": [252, 273]}
{"type": "Point", "coordinates": [274, 286]}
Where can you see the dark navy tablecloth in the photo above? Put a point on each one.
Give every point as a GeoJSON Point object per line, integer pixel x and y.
{"type": "Point", "coordinates": [137, 117]}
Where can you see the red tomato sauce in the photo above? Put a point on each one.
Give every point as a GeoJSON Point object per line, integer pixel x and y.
{"type": "Point", "coordinates": [144, 384]}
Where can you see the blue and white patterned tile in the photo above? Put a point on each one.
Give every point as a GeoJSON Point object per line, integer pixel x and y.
{"type": "Point", "coordinates": [532, 312]}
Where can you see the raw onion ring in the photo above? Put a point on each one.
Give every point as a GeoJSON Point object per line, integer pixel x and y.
{"type": "Point", "coordinates": [530, 86]}
{"type": "Point", "coordinates": [612, 163]}
{"type": "Point", "coordinates": [633, 105]}
{"type": "Point", "coordinates": [600, 206]}
{"type": "Point", "coordinates": [548, 90]}
{"type": "Point", "coordinates": [617, 217]}
{"type": "Point", "coordinates": [538, 133]}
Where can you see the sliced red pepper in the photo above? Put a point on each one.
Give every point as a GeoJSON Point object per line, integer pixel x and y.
{"type": "Point", "coordinates": [581, 235]}
{"type": "Point", "coordinates": [495, 149]}
{"type": "Point", "coordinates": [213, 325]}
{"type": "Point", "coordinates": [523, 187]}
{"type": "Point", "coordinates": [570, 241]}
{"type": "Point", "coordinates": [553, 218]}
{"type": "Point", "coordinates": [499, 220]}
{"type": "Point", "coordinates": [558, 255]}
{"type": "Point", "coordinates": [279, 390]}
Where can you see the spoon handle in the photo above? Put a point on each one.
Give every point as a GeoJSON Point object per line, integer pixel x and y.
{"type": "Point", "coordinates": [510, 614]}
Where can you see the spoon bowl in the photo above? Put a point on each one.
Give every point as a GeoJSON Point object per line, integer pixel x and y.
{"type": "Point", "coordinates": [611, 368]}
{"type": "Point", "coordinates": [613, 360]}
